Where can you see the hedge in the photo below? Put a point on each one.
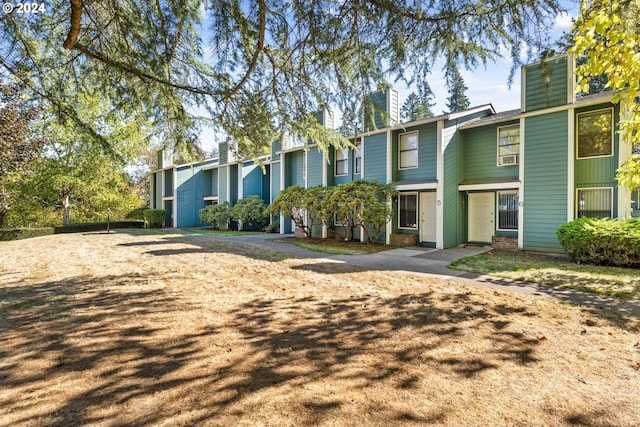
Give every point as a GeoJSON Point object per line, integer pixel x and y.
{"type": "Point", "coordinates": [25, 233]}
{"type": "Point", "coordinates": [602, 241]}
{"type": "Point", "coordinates": [154, 218]}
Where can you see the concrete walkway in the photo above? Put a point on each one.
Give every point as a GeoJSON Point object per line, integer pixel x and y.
{"type": "Point", "coordinates": [434, 263]}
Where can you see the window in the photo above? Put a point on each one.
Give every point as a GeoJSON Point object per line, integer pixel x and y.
{"type": "Point", "coordinates": [407, 209]}
{"type": "Point", "coordinates": [509, 145]}
{"type": "Point", "coordinates": [342, 162]}
{"type": "Point", "coordinates": [595, 133]}
{"type": "Point", "coordinates": [408, 150]}
{"type": "Point", "coordinates": [508, 210]}
{"type": "Point", "coordinates": [357, 168]}
{"type": "Point", "coordinates": [595, 202]}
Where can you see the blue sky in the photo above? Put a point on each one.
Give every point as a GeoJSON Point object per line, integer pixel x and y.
{"type": "Point", "coordinates": [486, 85]}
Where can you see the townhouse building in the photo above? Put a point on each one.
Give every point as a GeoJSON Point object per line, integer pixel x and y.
{"type": "Point", "coordinates": [471, 177]}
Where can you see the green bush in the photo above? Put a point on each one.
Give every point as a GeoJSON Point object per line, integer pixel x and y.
{"type": "Point", "coordinates": [602, 241]}
{"type": "Point", "coordinates": [216, 215]}
{"type": "Point", "coordinates": [250, 211]}
{"type": "Point", "coordinates": [136, 214]}
{"type": "Point", "coordinates": [274, 227]}
{"type": "Point", "coordinates": [154, 218]}
{"type": "Point", "coordinates": [26, 233]}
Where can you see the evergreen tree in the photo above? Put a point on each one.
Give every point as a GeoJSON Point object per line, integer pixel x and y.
{"type": "Point", "coordinates": [457, 100]}
{"type": "Point", "coordinates": [417, 107]}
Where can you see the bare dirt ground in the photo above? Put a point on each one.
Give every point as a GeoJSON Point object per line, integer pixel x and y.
{"type": "Point", "coordinates": [136, 328]}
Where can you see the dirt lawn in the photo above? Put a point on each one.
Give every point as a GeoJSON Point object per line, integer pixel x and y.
{"type": "Point", "coordinates": [137, 328]}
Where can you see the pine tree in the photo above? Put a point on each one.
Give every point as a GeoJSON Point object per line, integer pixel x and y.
{"type": "Point", "coordinates": [417, 107]}
{"type": "Point", "coordinates": [457, 100]}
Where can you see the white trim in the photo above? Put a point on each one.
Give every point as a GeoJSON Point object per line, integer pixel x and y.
{"type": "Point", "coordinates": [521, 187]}
{"type": "Point", "coordinates": [241, 182]}
{"type": "Point", "coordinates": [418, 186]}
{"type": "Point", "coordinates": [325, 173]}
{"type": "Point", "coordinates": [174, 220]}
{"type": "Point", "coordinates": [152, 190]}
{"type": "Point", "coordinates": [210, 198]}
{"type": "Point", "coordinates": [417, 149]}
{"type": "Point", "coordinates": [624, 152]}
{"type": "Point", "coordinates": [416, 194]}
{"type": "Point", "coordinates": [439, 185]}
{"type": "Point", "coordinates": [305, 171]}
{"type": "Point", "coordinates": [571, 175]}
{"type": "Point", "coordinates": [282, 181]}
{"type": "Point", "coordinates": [571, 79]}
{"type": "Point", "coordinates": [498, 157]}
{"type": "Point", "coordinates": [389, 227]}
{"type": "Point", "coordinates": [512, 185]}
{"type": "Point", "coordinates": [167, 198]}
{"type": "Point", "coordinates": [209, 167]}
{"type": "Point", "coordinates": [595, 188]}
{"type": "Point", "coordinates": [613, 140]}
{"type": "Point", "coordinates": [228, 182]}
{"type": "Point", "coordinates": [497, 210]}
{"type": "Point", "coordinates": [355, 151]}
{"type": "Point", "coordinates": [523, 89]}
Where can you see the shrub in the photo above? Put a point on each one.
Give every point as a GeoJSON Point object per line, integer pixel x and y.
{"type": "Point", "coordinates": [602, 241]}
{"type": "Point", "coordinates": [216, 215]}
{"type": "Point", "coordinates": [136, 214]}
{"type": "Point", "coordinates": [24, 233]}
{"type": "Point", "coordinates": [250, 211]}
{"type": "Point", "coordinates": [154, 218]}
{"type": "Point", "coordinates": [274, 227]}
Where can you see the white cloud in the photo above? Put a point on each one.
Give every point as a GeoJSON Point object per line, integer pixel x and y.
{"type": "Point", "coordinates": [563, 21]}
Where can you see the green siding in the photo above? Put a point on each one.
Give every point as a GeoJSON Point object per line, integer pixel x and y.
{"type": "Point", "coordinates": [315, 164]}
{"type": "Point", "coordinates": [375, 157]}
{"type": "Point", "coordinates": [375, 111]}
{"type": "Point", "coordinates": [481, 154]}
{"type": "Point", "coordinates": [427, 154]}
{"type": "Point", "coordinates": [233, 183]}
{"type": "Point", "coordinates": [546, 83]}
{"type": "Point", "coordinates": [454, 215]}
{"type": "Point", "coordinates": [545, 191]}
{"type": "Point", "coordinates": [168, 183]}
{"type": "Point", "coordinates": [223, 152]}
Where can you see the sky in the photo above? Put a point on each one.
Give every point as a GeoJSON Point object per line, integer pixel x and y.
{"type": "Point", "coordinates": [486, 84]}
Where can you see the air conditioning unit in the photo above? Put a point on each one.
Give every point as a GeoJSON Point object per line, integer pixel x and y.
{"type": "Point", "coordinates": [509, 160]}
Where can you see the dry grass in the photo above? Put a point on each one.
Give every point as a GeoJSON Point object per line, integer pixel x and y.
{"type": "Point", "coordinates": [142, 329]}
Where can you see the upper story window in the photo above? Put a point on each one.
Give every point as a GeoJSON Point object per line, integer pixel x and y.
{"type": "Point", "coordinates": [342, 162]}
{"type": "Point", "coordinates": [357, 166]}
{"type": "Point", "coordinates": [595, 202]}
{"type": "Point", "coordinates": [408, 147]}
{"type": "Point", "coordinates": [595, 133]}
{"type": "Point", "coordinates": [509, 145]}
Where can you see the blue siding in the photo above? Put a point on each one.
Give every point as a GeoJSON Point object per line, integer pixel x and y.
{"type": "Point", "coordinates": [375, 157]}
{"type": "Point", "coordinates": [294, 163]}
{"type": "Point", "coordinates": [545, 191]}
{"type": "Point", "coordinates": [233, 183]}
{"type": "Point", "coordinates": [185, 196]}
{"type": "Point", "coordinates": [223, 194]}
{"type": "Point", "coordinates": [168, 183]}
{"type": "Point", "coordinates": [251, 180]}
{"type": "Point", "coordinates": [275, 180]}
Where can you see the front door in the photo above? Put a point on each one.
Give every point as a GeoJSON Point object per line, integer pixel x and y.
{"type": "Point", "coordinates": [428, 217]}
{"type": "Point", "coordinates": [481, 214]}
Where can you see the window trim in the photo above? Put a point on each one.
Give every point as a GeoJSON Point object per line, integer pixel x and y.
{"type": "Point", "coordinates": [400, 151]}
{"type": "Point", "coordinates": [342, 159]}
{"type": "Point", "coordinates": [357, 154]}
{"type": "Point", "coordinates": [578, 189]}
{"type": "Point", "coordinates": [498, 129]}
{"type": "Point", "coordinates": [578, 157]}
{"type": "Point", "coordinates": [497, 219]}
{"type": "Point", "coordinates": [414, 194]}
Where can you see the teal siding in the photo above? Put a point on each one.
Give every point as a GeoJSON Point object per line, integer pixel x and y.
{"type": "Point", "coordinates": [481, 154]}
{"type": "Point", "coordinates": [214, 181]}
{"type": "Point", "coordinates": [375, 157]}
{"type": "Point", "coordinates": [275, 148]}
{"type": "Point", "coordinates": [427, 154]}
{"type": "Point", "coordinates": [545, 192]}
{"type": "Point", "coordinates": [168, 183]}
{"type": "Point", "coordinates": [223, 194]}
{"type": "Point", "coordinates": [233, 183]}
{"type": "Point", "coordinates": [185, 196]}
{"type": "Point", "coordinates": [251, 180]}
{"type": "Point", "coordinates": [375, 108]}
{"type": "Point", "coordinates": [546, 83]}
{"type": "Point", "coordinates": [275, 180]}
{"type": "Point", "coordinates": [315, 164]}
{"type": "Point", "coordinates": [223, 152]}
{"type": "Point", "coordinates": [294, 164]}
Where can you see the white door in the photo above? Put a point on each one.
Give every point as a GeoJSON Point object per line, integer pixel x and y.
{"type": "Point", "coordinates": [481, 214]}
{"type": "Point", "coordinates": [428, 217]}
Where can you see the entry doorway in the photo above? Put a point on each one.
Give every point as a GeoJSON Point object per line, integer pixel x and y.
{"type": "Point", "coordinates": [481, 217]}
{"type": "Point", "coordinates": [428, 217]}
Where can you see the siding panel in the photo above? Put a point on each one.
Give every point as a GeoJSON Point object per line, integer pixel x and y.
{"type": "Point", "coordinates": [375, 157]}
{"type": "Point", "coordinates": [481, 154]}
{"type": "Point", "coordinates": [546, 83]}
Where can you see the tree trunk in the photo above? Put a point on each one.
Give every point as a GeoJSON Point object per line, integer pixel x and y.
{"type": "Point", "coordinates": [66, 220]}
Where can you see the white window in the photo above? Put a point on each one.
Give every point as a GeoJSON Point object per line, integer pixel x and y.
{"type": "Point", "coordinates": [408, 150]}
{"type": "Point", "coordinates": [357, 167]}
{"type": "Point", "coordinates": [595, 202]}
{"type": "Point", "coordinates": [408, 210]}
{"type": "Point", "coordinates": [509, 145]}
{"type": "Point", "coordinates": [595, 133]}
{"type": "Point", "coordinates": [342, 162]}
{"type": "Point", "coordinates": [508, 202]}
